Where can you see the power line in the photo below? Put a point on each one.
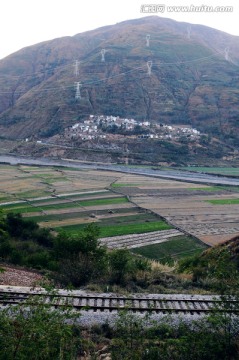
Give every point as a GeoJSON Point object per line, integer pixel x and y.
{"type": "Point", "coordinates": [82, 62]}
{"type": "Point", "coordinates": [92, 82]}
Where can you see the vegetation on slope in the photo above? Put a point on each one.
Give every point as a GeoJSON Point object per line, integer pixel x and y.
{"type": "Point", "coordinates": [43, 334]}
{"type": "Point", "coordinates": [80, 260]}
{"type": "Point", "coordinates": [190, 83]}
{"type": "Point", "coordinates": [216, 268]}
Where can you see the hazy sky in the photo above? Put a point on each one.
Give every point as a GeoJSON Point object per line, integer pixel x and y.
{"type": "Point", "coordinates": [27, 22]}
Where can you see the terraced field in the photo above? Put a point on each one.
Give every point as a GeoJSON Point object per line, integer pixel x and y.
{"type": "Point", "coordinates": [122, 205]}
{"type": "Point", "coordinates": [70, 199]}
{"type": "Point", "coordinates": [209, 213]}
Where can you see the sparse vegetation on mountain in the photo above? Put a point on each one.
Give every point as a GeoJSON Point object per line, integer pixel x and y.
{"type": "Point", "coordinates": [191, 83]}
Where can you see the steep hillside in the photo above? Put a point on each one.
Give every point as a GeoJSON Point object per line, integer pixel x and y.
{"type": "Point", "coordinates": [194, 79]}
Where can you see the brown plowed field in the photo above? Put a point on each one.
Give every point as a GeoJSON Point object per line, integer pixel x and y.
{"type": "Point", "coordinates": [186, 206]}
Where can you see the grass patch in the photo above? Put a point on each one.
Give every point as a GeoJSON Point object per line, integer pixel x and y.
{"type": "Point", "coordinates": [32, 194]}
{"type": "Point", "coordinates": [110, 201]}
{"type": "Point", "coordinates": [7, 198]}
{"type": "Point", "coordinates": [59, 217]}
{"type": "Point", "coordinates": [19, 205]}
{"type": "Point", "coordinates": [223, 201]}
{"type": "Point", "coordinates": [209, 188]}
{"type": "Point", "coordinates": [173, 250]}
{"type": "Point", "coordinates": [114, 230]}
{"type": "Point", "coordinates": [213, 170]}
{"type": "Point", "coordinates": [20, 209]}
{"type": "Point", "coordinates": [66, 168]}
{"type": "Point", "coordinates": [48, 175]}
{"type": "Point", "coordinates": [229, 188]}
{"type": "Point", "coordinates": [217, 188]}
{"type": "Point", "coordinates": [49, 178]}
{"type": "Point", "coordinates": [96, 193]}
{"type": "Point", "coordinates": [26, 208]}
{"type": "Point", "coordinates": [67, 197]}
{"type": "Point", "coordinates": [130, 219]}
{"type": "Point", "coordinates": [118, 185]}
{"type": "Point", "coordinates": [82, 214]}
{"type": "Point", "coordinates": [50, 181]}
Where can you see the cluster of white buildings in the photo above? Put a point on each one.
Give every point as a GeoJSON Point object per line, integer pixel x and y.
{"type": "Point", "coordinates": [94, 127]}
{"type": "Point", "coordinates": [177, 131]}
{"type": "Point", "coordinates": [107, 121]}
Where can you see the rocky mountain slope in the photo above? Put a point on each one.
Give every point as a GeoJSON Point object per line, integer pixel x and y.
{"type": "Point", "coordinates": [180, 73]}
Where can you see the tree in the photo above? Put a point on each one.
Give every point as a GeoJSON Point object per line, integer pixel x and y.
{"type": "Point", "coordinates": [19, 227]}
{"type": "Point", "coordinates": [121, 264]}
{"type": "Point", "coordinates": [81, 258]}
{"type": "Point", "coordinates": [218, 268]}
{"type": "Point", "coordinates": [3, 229]}
{"type": "Point", "coordinates": [225, 316]}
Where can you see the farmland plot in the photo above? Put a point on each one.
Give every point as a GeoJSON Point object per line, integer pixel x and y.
{"type": "Point", "coordinates": [210, 214]}
{"type": "Point", "coordinates": [68, 199]}
{"type": "Point", "coordinates": [71, 199]}
{"type": "Point", "coordinates": [139, 240]}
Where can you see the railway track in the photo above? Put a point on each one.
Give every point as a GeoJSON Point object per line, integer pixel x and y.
{"type": "Point", "coordinates": [157, 304]}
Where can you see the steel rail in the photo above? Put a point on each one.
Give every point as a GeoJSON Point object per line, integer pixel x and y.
{"type": "Point", "coordinates": [111, 303]}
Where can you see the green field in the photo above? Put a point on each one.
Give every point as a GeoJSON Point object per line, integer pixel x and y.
{"type": "Point", "coordinates": [223, 201]}
{"type": "Point", "coordinates": [118, 185]}
{"type": "Point", "coordinates": [230, 171]}
{"type": "Point", "coordinates": [170, 251]}
{"type": "Point", "coordinates": [89, 200]}
{"type": "Point", "coordinates": [23, 209]}
{"type": "Point", "coordinates": [114, 230]}
{"type": "Point", "coordinates": [86, 213]}
{"type": "Point", "coordinates": [72, 198]}
{"type": "Point", "coordinates": [130, 219]}
{"type": "Point", "coordinates": [206, 188]}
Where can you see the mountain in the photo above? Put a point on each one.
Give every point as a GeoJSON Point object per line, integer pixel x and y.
{"type": "Point", "coordinates": [194, 79]}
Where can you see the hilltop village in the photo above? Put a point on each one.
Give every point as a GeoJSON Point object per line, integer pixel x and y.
{"type": "Point", "coordinates": [102, 126]}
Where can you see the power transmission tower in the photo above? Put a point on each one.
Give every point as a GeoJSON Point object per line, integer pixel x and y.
{"type": "Point", "coordinates": [78, 86]}
{"type": "Point", "coordinates": [76, 68]}
{"type": "Point", "coordinates": [126, 154]}
{"type": "Point", "coordinates": [226, 52]}
{"type": "Point", "coordinates": [189, 32]}
{"type": "Point", "coordinates": [149, 66]}
{"type": "Point", "coordinates": [147, 40]}
{"type": "Point", "coordinates": [103, 55]}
